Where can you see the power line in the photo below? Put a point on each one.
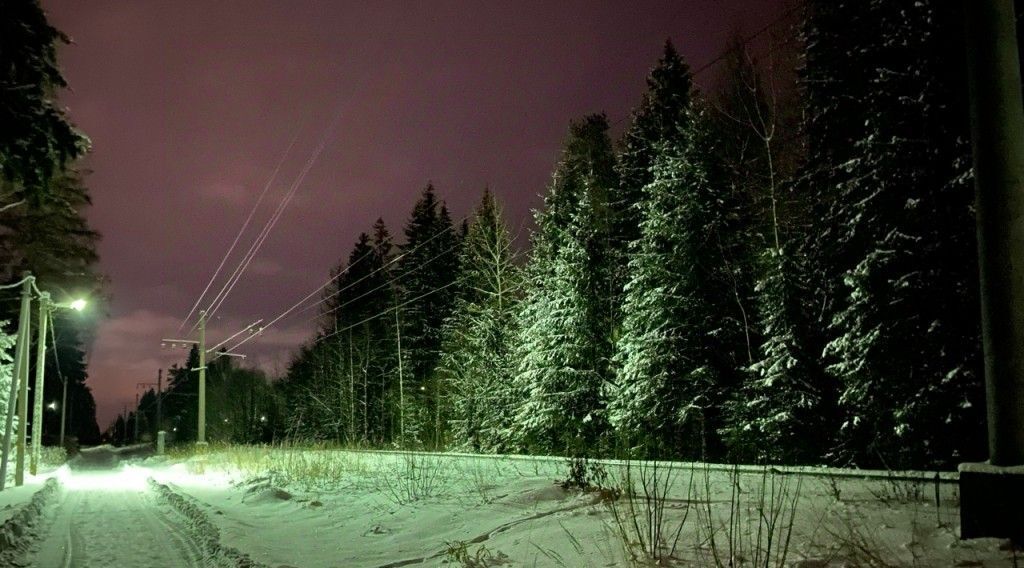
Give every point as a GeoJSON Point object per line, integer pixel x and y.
{"type": "Point", "coordinates": [385, 265]}
{"type": "Point", "coordinates": [262, 237]}
{"type": "Point", "coordinates": [382, 285]}
{"type": "Point", "coordinates": [403, 304]}
{"type": "Point", "coordinates": [241, 231]}
{"type": "Point", "coordinates": [334, 277]}
{"type": "Point", "coordinates": [284, 314]}
{"type": "Point", "coordinates": [785, 14]}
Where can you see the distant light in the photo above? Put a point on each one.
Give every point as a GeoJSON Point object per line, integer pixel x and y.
{"type": "Point", "coordinates": [175, 429]}
{"type": "Point", "coordinates": [225, 420]}
{"type": "Point", "coordinates": [263, 418]}
{"type": "Point", "coordinates": [423, 388]}
{"type": "Point", "coordinates": [52, 405]}
{"type": "Point", "coordinates": [78, 305]}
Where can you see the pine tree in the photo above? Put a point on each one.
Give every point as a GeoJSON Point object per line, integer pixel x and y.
{"type": "Point", "coordinates": [7, 343]}
{"type": "Point", "coordinates": [182, 389]}
{"type": "Point", "coordinates": [477, 360]}
{"type": "Point", "coordinates": [655, 122]}
{"type": "Point", "coordinates": [563, 410]}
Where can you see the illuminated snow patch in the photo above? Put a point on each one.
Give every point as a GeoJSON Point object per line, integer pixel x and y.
{"type": "Point", "coordinates": [125, 478]}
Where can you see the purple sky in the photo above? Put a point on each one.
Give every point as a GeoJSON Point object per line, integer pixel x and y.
{"type": "Point", "coordinates": [190, 104]}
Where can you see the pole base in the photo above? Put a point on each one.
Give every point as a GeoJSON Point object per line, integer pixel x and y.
{"type": "Point", "coordinates": [992, 501]}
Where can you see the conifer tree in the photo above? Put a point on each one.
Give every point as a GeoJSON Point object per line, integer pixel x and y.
{"type": "Point", "coordinates": [778, 414]}
{"type": "Point", "coordinates": [429, 269]}
{"type": "Point", "coordinates": [477, 360]}
{"type": "Point", "coordinates": [903, 337]}
{"type": "Point", "coordinates": [654, 122]}
{"type": "Point", "coordinates": [682, 347]}
{"type": "Point", "coordinates": [37, 140]}
{"type": "Point", "coordinates": [567, 319]}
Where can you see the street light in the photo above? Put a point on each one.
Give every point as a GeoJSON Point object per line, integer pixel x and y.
{"type": "Point", "coordinates": [46, 305]}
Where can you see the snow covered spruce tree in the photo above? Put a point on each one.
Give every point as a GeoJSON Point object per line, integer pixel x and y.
{"type": "Point", "coordinates": [37, 140]}
{"type": "Point", "coordinates": [566, 322]}
{"type": "Point", "coordinates": [903, 335]}
{"type": "Point", "coordinates": [477, 364]}
{"type": "Point", "coordinates": [429, 271]}
{"type": "Point", "coordinates": [672, 373]}
{"type": "Point", "coordinates": [6, 367]}
{"type": "Point", "coordinates": [776, 414]}
{"type": "Point", "coordinates": [655, 120]}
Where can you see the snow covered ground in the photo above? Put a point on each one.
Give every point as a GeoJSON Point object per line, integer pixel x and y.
{"type": "Point", "coordinates": [342, 508]}
{"type": "Point", "coordinates": [284, 507]}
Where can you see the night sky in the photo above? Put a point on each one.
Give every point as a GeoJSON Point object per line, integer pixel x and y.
{"type": "Point", "coordinates": [190, 104]}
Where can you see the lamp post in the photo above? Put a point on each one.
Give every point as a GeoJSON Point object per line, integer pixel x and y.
{"type": "Point", "coordinates": [37, 411]}
{"type": "Point", "coordinates": [46, 306]}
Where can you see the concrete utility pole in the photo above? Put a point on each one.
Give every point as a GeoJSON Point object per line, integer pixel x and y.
{"type": "Point", "coordinates": [201, 430]}
{"type": "Point", "coordinates": [37, 397]}
{"type": "Point", "coordinates": [992, 494]}
{"type": "Point", "coordinates": [136, 438]}
{"type": "Point", "coordinates": [20, 368]}
{"type": "Point", "coordinates": [159, 399]}
{"type": "Point", "coordinates": [63, 409]}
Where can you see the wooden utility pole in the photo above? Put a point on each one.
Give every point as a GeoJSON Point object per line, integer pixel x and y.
{"type": "Point", "coordinates": [63, 408]}
{"type": "Point", "coordinates": [992, 494]}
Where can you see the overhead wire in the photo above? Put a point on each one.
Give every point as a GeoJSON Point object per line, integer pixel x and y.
{"type": "Point", "coordinates": [403, 304]}
{"type": "Point", "coordinates": [382, 285]}
{"type": "Point", "coordinates": [241, 231]}
{"type": "Point", "coordinates": [333, 278]}
{"type": "Point", "coordinates": [288, 311]}
{"type": "Point", "coordinates": [272, 221]}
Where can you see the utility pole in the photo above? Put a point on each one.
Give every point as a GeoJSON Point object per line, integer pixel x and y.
{"type": "Point", "coordinates": [201, 431]}
{"type": "Point", "coordinates": [138, 410]}
{"type": "Point", "coordinates": [137, 417]}
{"type": "Point", "coordinates": [159, 400]}
{"type": "Point", "coordinates": [37, 397]}
{"type": "Point", "coordinates": [992, 494]}
{"type": "Point", "coordinates": [201, 346]}
{"type": "Point", "coordinates": [401, 385]}
{"type": "Point", "coordinates": [63, 409]}
{"type": "Point", "coordinates": [20, 368]}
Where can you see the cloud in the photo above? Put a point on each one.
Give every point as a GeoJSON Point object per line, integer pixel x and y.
{"type": "Point", "coordinates": [264, 267]}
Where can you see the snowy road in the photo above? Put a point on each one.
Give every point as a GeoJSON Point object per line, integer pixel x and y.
{"type": "Point", "coordinates": [108, 516]}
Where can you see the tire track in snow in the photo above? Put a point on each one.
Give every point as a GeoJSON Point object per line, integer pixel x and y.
{"type": "Point", "coordinates": [114, 528]}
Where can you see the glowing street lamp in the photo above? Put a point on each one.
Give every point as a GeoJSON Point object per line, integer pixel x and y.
{"type": "Point", "coordinates": [46, 305]}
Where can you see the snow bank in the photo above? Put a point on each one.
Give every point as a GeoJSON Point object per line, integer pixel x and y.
{"type": "Point", "coordinates": [205, 533]}
{"type": "Point", "coordinates": [16, 533]}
